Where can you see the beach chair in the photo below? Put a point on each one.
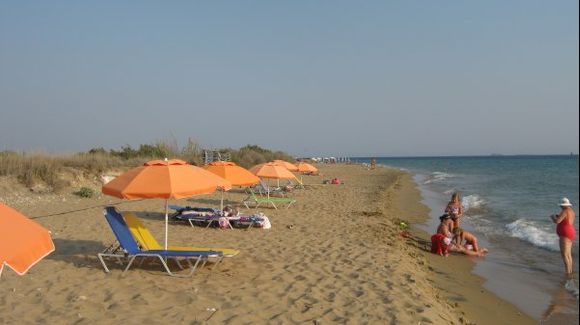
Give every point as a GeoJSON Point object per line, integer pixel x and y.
{"type": "Point", "coordinates": [258, 200]}
{"type": "Point", "coordinates": [238, 221]}
{"type": "Point", "coordinates": [127, 248]}
{"type": "Point", "coordinates": [179, 210]}
{"type": "Point", "coordinates": [203, 217]}
{"type": "Point", "coordinates": [264, 189]}
{"type": "Point", "coordinates": [147, 241]}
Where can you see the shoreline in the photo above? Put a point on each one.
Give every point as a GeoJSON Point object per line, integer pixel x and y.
{"type": "Point", "coordinates": [334, 256]}
{"type": "Point", "coordinates": [454, 275]}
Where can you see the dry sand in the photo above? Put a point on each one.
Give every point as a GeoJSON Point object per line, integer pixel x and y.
{"type": "Point", "coordinates": [334, 257]}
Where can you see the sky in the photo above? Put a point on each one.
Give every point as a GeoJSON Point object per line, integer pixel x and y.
{"type": "Point", "coordinates": [311, 78]}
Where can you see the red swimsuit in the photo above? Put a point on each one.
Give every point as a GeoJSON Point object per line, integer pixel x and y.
{"type": "Point", "coordinates": [566, 229]}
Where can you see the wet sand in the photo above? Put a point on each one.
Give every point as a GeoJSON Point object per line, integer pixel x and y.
{"type": "Point", "coordinates": [336, 256]}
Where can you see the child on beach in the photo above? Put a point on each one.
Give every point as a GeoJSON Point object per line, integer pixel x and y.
{"type": "Point", "coordinates": [460, 235]}
{"type": "Point", "coordinates": [455, 209]}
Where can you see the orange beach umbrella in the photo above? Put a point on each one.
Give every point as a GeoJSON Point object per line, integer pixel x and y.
{"type": "Point", "coordinates": [237, 175]}
{"type": "Point", "coordinates": [23, 242]}
{"type": "Point", "coordinates": [272, 170]}
{"type": "Point", "coordinates": [229, 171]}
{"type": "Point", "coordinates": [306, 168]}
{"type": "Point", "coordinates": [164, 179]}
{"type": "Point", "coordinates": [287, 165]}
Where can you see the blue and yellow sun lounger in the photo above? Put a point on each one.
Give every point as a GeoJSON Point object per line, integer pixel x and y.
{"type": "Point", "coordinates": [146, 239]}
{"type": "Point", "coordinates": [128, 248]}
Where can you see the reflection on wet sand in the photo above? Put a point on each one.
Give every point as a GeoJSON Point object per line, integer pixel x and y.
{"type": "Point", "coordinates": [562, 309]}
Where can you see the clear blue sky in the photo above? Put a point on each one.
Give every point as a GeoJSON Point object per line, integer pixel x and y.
{"type": "Point", "coordinates": [306, 77]}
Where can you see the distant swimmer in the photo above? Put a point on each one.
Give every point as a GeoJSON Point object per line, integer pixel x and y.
{"type": "Point", "coordinates": [566, 232]}
{"type": "Point", "coordinates": [455, 209]}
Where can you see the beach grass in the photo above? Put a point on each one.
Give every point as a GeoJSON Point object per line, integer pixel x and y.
{"type": "Point", "coordinates": [31, 169]}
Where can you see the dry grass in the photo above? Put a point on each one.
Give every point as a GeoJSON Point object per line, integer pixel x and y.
{"type": "Point", "coordinates": [32, 169]}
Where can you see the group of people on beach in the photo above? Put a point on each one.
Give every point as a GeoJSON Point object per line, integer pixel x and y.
{"type": "Point", "coordinates": [450, 237]}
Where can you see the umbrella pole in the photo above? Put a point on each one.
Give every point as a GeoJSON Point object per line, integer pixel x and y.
{"type": "Point", "coordinates": [166, 221]}
{"type": "Point", "coordinates": [222, 202]}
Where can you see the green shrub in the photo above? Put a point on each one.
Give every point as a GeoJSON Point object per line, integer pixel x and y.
{"type": "Point", "coordinates": [85, 192]}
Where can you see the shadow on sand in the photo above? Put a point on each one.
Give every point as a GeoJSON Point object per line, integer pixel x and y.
{"type": "Point", "coordinates": [80, 253]}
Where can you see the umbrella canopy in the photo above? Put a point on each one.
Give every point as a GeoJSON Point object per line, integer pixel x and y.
{"type": "Point", "coordinates": [272, 170]}
{"type": "Point", "coordinates": [306, 168]}
{"type": "Point", "coordinates": [237, 175]}
{"type": "Point", "coordinates": [287, 165]}
{"type": "Point", "coordinates": [23, 242]}
{"type": "Point", "coordinates": [164, 179]}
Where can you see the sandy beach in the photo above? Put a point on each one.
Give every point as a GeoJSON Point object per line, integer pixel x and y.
{"type": "Point", "coordinates": [336, 256]}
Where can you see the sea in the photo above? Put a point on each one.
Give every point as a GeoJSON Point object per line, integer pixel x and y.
{"type": "Point", "coordinates": [507, 202]}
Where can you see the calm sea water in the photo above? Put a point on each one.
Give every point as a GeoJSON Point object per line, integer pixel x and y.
{"type": "Point", "coordinates": [508, 200]}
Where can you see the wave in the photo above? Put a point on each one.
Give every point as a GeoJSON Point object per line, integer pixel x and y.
{"type": "Point", "coordinates": [473, 201]}
{"type": "Point", "coordinates": [484, 226]}
{"type": "Point", "coordinates": [529, 231]}
{"type": "Point", "coordinates": [436, 177]}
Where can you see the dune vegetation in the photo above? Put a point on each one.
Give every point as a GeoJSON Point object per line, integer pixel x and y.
{"type": "Point", "coordinates": [34, 168]}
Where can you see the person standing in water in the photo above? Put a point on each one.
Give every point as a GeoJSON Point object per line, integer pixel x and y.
{"type": "Point", "coordinates": [566, 232]}
{"type": "Point", "coordinates": [455, 209]}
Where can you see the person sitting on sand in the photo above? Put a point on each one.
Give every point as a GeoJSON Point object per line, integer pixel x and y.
{"type": "Point", "coordinates": [455, 209]}
{"type": "Point", "coordinates": [445, 226]}
{"type": "Point", "coordinates": [230, 211]}
{"type": "Point", "coordinates": [460, 235]}
{"type": "Point", "coordinates": [442, 239]}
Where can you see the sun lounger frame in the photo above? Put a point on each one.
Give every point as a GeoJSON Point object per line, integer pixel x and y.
{"type": "Point", "coordinates": [253, 198]}
{"type": "Point", "coordinates": [128, 249]}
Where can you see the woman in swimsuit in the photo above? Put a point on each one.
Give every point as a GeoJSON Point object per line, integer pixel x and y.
{"type": "Point", "coordinates": [566, 232]}
{"type": "Point", "coordinates": [454, 209]}
{"type": "Point", "coordinates": [440, 241]}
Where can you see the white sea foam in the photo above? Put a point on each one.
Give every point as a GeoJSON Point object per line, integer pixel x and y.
{"type": "Point", "coordinates": [437, 177]}
{"type": "Point", "coordinates": [572, 287]}
{"type": "Point", "coordinates": [473, 201]}
{"type": "Point", "coordinates": [529, 231]}
{"type": "Point", "coordinates": [450, 191]}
